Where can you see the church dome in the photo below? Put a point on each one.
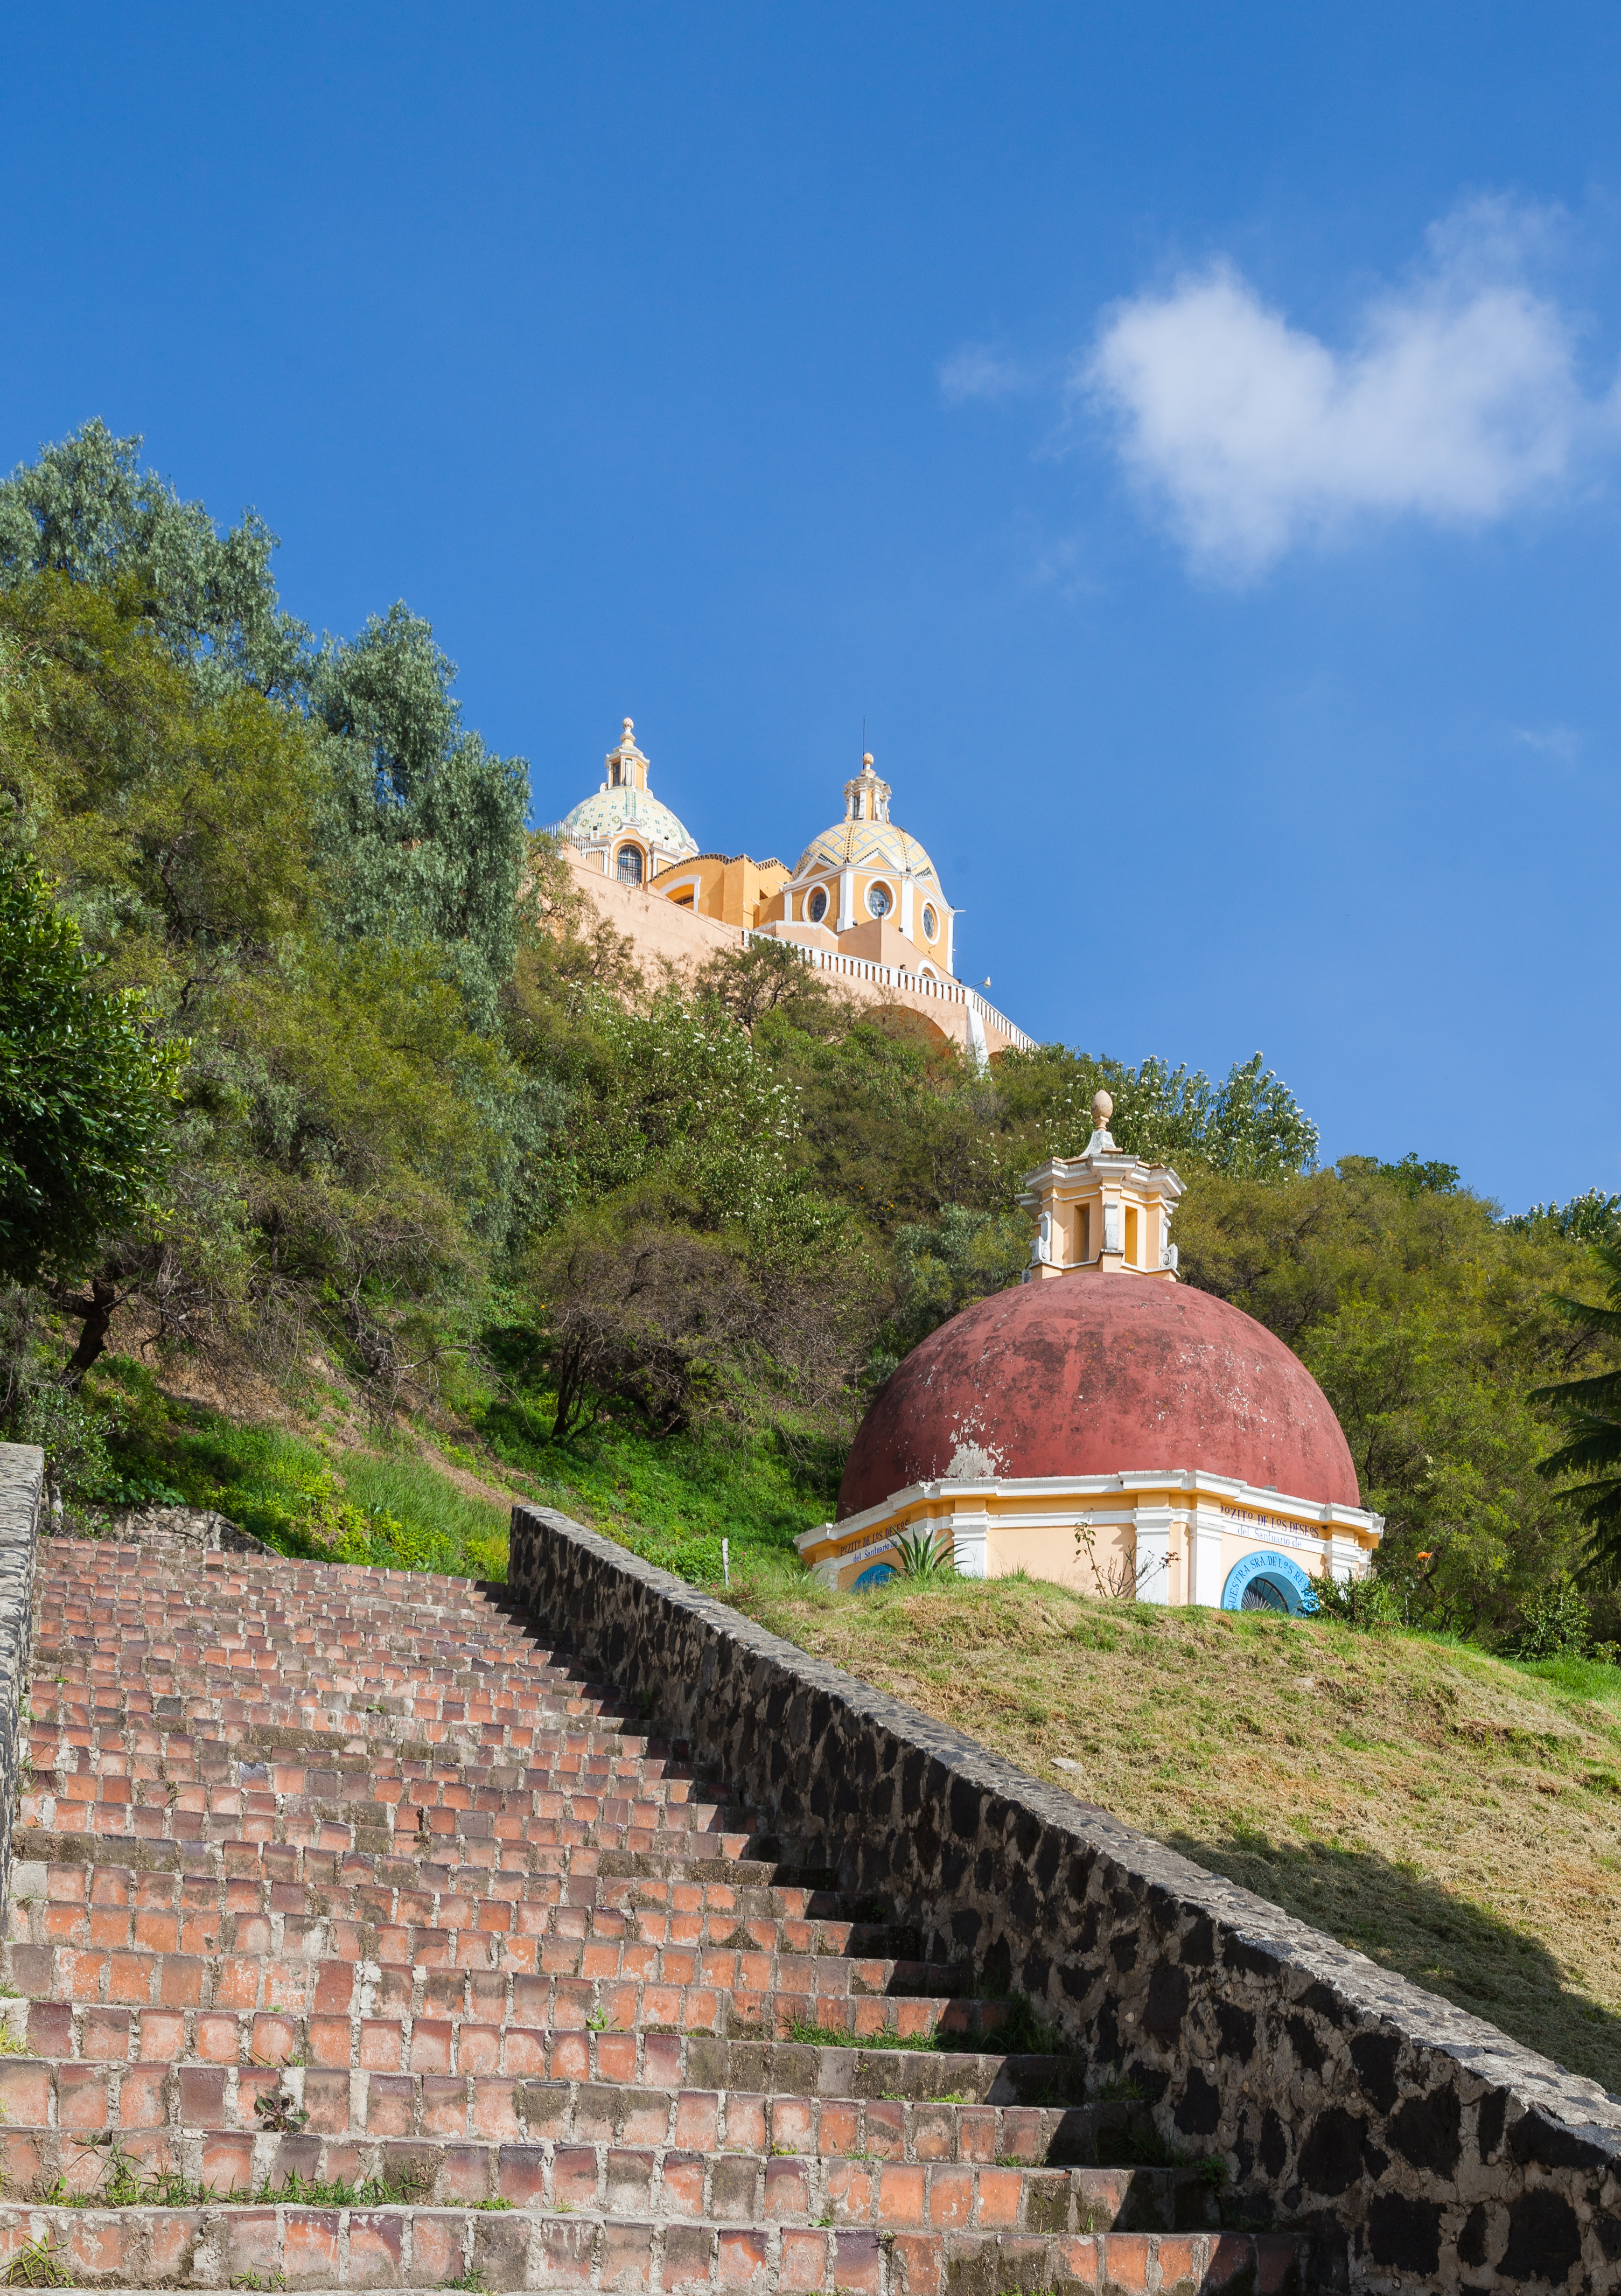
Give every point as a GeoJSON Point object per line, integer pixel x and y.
{"type": "Point", "coordinates": [625, 808]}
{"type": "Point", "coordinates": [866, 838]}
{"type": "Point", "coordinates": [865, 845]}
{"type": "Point", "coordinates": [1101, 1375]}
{"type": "Point", "coordinates": [611, 810]}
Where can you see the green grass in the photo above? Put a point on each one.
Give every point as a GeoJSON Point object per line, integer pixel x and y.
{"type": "Point", "coordinates": [674, 1499]}
{"type": "Point", "coordinates": [832, 2036]}
{"type": "Point", "coordinates": [37, 2265]}
{"type": "Point", "coordinates": [306, 1492]}
{"type": "Point", "coordinates": [1453, 1815]}
{"type": "Point", "coordinates": [381, 1504]}
{"type": "Point", "coordinates": [123, 2186]}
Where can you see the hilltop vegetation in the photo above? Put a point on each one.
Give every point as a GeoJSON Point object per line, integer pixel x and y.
{"type": "Point", "coordinates": [415, 1153]}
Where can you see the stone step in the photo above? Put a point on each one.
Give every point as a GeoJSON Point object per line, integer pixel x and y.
{"type": "Point", "coordinates": [183, 1754]}
{"type": "Point", "coordinates": [859, 2120]}
{"type": "Point", "coordinates": [306, 1822]}
{"type": "Point", "coordinates": [533, 1790]}
{"type": "Point", "coordinates": [489, 2034]}
{"type": "Point", "coordinates": [559, 1741]}
{"type": "Point", "coordinates": [227, 1693]}
{"type": "Point", "coordinates": [481, 1867]}
{"type": "Point", "coordinates": [49, 1897]}
{"type": "Point", "coordinates": [110, 1805]}
{"type": "Point", "coordinates": [692, 2183]}
{"type": "Point", "coordinates": [388, 2247]}
{"type": "Point", "coordinates": [539, 1979]}
{"type": "Point", "coordinates": [663, 2059]}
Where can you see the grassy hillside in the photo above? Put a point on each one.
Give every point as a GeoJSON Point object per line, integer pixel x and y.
{"type": "Point", "coordinates": [1456, 1816]}
{"type": "Point", "coordinates": [315, 1475]}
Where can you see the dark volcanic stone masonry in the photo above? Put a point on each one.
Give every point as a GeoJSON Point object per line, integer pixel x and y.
{"type": "Point", "coordinates": [373, 1929]}
{"type": "Point", "coordinates": [1439, 2152]}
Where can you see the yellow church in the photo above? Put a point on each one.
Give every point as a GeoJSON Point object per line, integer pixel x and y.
{"type": "Point", "coordinates": [864, 900]}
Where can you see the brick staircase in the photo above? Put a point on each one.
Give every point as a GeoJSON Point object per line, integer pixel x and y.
{"type": "Point", "coordinates": [360, 1942]}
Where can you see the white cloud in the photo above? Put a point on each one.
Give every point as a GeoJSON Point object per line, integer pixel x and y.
{"type": "Point", "coordinates": [1457, 399]}
{"type": "Point", "coordinates": [1560, 742]}
{"type": "Point", "coordinates": [978, 372]}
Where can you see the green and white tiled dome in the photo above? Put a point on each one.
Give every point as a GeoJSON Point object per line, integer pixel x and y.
{"type": "Point", "coordinates": [625, 815]}
{"type": "Point", "coordinates": [612, 809]}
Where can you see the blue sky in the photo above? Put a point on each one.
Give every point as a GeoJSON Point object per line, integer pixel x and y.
{"type": "Point", "coordinates": [1189, 440]}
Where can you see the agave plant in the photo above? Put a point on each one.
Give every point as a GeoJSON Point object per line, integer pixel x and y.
{"type": "Point", "coordinates": [917, 1556]}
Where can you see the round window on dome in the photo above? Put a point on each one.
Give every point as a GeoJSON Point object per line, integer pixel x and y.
{"type": "Point", "coordinates": [816, 908]}
{"type": "Point", "coordinates": [880, 901]}
{"type": "Point", "coordinates": [630, 865]}
{"type": "Point", "coordinates": [931, 924]}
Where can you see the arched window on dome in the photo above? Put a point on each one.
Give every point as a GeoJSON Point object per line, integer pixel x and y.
{"type": "Point", "coordinates": [816, 908]}
{"type": "Point", "coordinates": [931, 924]}
{"type": "Point", "coordinates": [880, 901]}
{"type": "Point", "coordinates": [629, 864]}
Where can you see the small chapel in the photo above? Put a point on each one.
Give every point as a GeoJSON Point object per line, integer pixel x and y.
{"type": "Point", "coordinates": [1104, 1426]}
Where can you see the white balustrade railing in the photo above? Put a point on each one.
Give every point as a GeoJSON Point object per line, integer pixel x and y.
{"type": "Point", "coordinates": [918, 984]}
{"type": "Point", "coordinates": [939, 986]}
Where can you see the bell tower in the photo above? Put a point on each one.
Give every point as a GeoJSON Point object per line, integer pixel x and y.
{"type": "Point", "coordinates": [1102, 1212]}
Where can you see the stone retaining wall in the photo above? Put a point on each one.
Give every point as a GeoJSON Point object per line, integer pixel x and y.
{"type": "Point", "coordinates": [1450, 2156]}
{"type": "Point", "coordinates": [22, 1487]}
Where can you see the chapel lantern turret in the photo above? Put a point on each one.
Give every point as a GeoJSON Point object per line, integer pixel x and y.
{"type": "Point", "coordinates": [1103, 1212]}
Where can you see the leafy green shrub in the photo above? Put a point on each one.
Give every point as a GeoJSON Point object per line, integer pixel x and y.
{"type": "Point", "coordinates": [699, 1560]}
{"type": "Point", "coordinates": [1369, 1602]}
{"type": "Point", "coordinates": [1555, 1624]}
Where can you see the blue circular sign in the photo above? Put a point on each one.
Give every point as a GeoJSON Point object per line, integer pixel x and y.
{"type": "Point", "coordinates": [1268, 1582]}
{"type": "Point", "coordinates": [877, 1575]}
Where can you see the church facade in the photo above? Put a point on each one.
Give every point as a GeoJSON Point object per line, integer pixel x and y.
{"type": "Point", "coordinates": [864, 901]}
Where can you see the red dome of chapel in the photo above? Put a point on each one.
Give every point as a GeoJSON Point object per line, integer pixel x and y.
{"type": "Point", "coordinates": [1100, 1374]}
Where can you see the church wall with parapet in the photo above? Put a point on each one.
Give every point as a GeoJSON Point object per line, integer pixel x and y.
{"type": "Point", "coordinates": [663, 931]}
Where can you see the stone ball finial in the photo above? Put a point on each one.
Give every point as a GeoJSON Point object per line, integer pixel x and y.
{"type": "Point", "coordinates": [866, 758]}
{"type": "Point", "coordinates": [1103, 1109]}
{"type": "Point", "coordinates": [630, 727]}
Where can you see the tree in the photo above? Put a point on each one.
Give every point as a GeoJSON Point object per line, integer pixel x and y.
{"type": "Point", "coordinates": [86, 510]}
{"type": "Point", "coordinates": [342, 1148]}
{"type": "Point", "coordinates": [942, 1266]}
{"type": "Point", "coordinates": [1428, 1323]}
{"type": "Point", "coordinates": [421, 833]}
{"type": "Point", "coordinates": [1591, 1408]}
{"type": "Point", "coordinates": [774, 978]}
{"type": "Point", "coordinates": [84, 1094]}
{"type": "Point", "coordinates": [669, 1325]}
{"type": "Point", "coordinates": [422, 829]}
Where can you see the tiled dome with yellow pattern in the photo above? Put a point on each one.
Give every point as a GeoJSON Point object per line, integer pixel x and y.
{"type": "Point", "coordinates": [865, 845]}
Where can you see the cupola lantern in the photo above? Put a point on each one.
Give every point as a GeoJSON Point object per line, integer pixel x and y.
{"type": "Point", "coordinates": [1102, 1212]}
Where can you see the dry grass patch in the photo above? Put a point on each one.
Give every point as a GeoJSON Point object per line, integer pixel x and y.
{"type": "Point", "coordinates": [1456, 1817]}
